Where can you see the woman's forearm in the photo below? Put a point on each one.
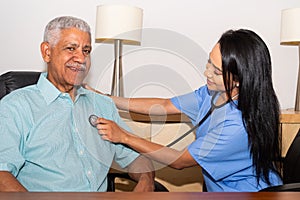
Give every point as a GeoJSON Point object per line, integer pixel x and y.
{"type": "Point", "coordinates": [110, 131]}
{"type": "Point", "coordinates": [152, 150]}
{"type": "Point", "coordinates": [149, 106]}
{"type": "Point", "coordinates": [165, 155]}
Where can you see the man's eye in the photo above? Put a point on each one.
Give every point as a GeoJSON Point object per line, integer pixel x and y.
{"type": "Point", "coordinates": [87, 52]}
{"type": "Point", "coordinates": [70, 48]}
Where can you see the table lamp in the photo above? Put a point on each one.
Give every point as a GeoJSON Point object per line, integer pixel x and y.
{"type": "Point", "coordinates": [290, 35]}
{"type": "Point", "coordinates": [118, 24]}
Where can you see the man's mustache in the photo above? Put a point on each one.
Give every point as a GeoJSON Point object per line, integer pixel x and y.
{"type": "Point", "coordinates": [77, 66]}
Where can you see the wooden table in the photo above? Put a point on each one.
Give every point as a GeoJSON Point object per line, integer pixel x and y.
{"type": "Point", "coordinates": [151, 195]}
{"type": "Point", "coordinates": [290, 124]}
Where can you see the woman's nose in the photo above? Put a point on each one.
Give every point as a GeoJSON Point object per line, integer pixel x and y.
{"type": "Point", "coordinates": [207, 73]}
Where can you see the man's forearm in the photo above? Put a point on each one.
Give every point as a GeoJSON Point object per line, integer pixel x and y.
{"type": "Point", "coordinates": [142, 171]}
{"type": "Point", "coordinates": [8, 183]}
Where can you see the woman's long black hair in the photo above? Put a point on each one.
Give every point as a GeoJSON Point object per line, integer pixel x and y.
{"type": "Point", "coordinates": [246, 60]}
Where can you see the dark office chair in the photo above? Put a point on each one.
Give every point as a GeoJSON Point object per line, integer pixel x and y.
{"type": "Point", "coordinates": [291, 168]}
{"type": "Point", "coordinates": [17, 79]}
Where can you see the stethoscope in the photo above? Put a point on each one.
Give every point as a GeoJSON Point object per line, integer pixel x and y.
{"type": "Point", "coordinates": [213, 106]}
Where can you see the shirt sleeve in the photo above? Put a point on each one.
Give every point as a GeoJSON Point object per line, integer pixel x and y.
{"type": "Point", "coordinates": [11, 134]}
{"type": "Point", "coordinates": [191, 103]}
{"type": "Point", "coordinates": [124, 155]}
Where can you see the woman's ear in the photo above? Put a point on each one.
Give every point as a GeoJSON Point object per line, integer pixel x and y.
{"type": "Point", "coordinates": [46, 52]}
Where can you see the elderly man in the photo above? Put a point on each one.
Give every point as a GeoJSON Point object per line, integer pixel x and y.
{"type": "Point", "coordinates": [47, 143]}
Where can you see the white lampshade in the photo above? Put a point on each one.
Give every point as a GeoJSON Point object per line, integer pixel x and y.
{"type": "Point", "coordinates": [119, 22]}
{"type": "Point", "coordinates": [290, 26]}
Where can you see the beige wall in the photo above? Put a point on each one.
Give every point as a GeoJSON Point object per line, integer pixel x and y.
{"type": "Point", "coordinates": [200, 21]}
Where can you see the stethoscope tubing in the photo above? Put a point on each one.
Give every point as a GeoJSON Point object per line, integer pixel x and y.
{"type": "Point", "coordinates": [211, 109]}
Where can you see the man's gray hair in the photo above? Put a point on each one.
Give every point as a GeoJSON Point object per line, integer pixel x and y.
{"type": "Point", "coordinates": [53, 28]}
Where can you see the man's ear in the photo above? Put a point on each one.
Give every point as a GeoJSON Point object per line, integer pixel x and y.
{"type": "Point", "coordinates": [46, 52]}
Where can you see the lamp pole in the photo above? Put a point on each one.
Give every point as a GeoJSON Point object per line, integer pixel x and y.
{"type": "Point", "coordinates": [117, 88]}
{"type": "Point", "coordinates": [297, 102]}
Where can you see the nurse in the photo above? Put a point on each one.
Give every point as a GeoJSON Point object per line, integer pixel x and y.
{"type": "Point", "coordinates": [238, 144]}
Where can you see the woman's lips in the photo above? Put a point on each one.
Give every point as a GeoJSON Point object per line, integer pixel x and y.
{"type": "Point", "coordinates": [209, 82]}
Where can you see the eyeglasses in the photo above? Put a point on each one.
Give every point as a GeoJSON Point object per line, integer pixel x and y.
{"type": "Point", "coordinates": [216, 70]}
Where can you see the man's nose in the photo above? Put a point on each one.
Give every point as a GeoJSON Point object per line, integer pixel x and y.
{"type": "Point", "coordinates": [79, 56]}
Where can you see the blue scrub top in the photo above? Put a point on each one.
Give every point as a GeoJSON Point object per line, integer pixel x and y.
{"type": "Point", "coordinates": [221, 146]}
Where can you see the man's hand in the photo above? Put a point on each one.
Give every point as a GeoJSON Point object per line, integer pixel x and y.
{"type": "Point", "coordinates": [8, 183]}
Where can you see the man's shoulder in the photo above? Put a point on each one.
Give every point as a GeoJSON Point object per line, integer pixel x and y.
{"type": "Point", "coordinates": [21, 94]}
{"type": "Point", "coordinates": [101, 102]}
{"type": "Point", "coordinates": [99, 98]}
{"type": "Point", "coordinates": [20, 100]}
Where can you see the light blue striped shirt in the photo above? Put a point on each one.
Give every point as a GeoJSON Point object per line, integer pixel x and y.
{"type": "Point", "coordinates": [48, 144]}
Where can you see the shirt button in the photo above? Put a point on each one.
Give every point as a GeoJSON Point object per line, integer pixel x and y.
{"type": "Point", "coordinates": [81, 152]}
{"type": "Point", "coordinates": [89, 173]}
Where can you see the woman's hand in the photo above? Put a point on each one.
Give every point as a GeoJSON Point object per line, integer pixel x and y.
{"type": "Point", "coordinates": [86, 86]}
{"type": "Point", "coordinates": [110, 131]}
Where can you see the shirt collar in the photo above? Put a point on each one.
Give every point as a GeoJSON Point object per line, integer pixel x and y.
{"type": "Point", "coordinates": [50, 92]}
{"type": "Point", "coordinates": [80, 92]}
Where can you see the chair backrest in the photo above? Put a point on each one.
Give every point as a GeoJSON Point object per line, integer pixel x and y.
{"type": "Point", "coordinates": [291, 163]}
{"type": "Point", "coordinates": [291, 169]}
{"type": "Point", "coordinates": [16, 79]}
